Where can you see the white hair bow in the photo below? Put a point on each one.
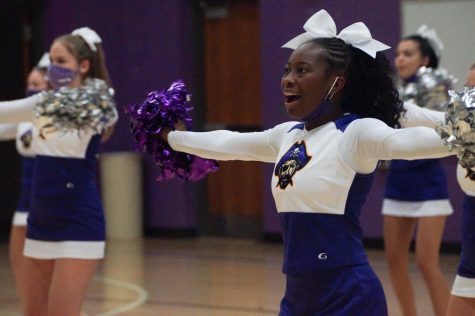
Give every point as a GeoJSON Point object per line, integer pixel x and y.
{"type": "Point", "coordinates": [431, 36]}
{"type": "Point", "coordinates": [44, 61]}
{"type": "Point", "coordinates": [321, 25]}
{"type": "Point", "coordinates": [89, 35]}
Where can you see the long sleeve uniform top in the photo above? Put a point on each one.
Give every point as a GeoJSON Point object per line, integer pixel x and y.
{"type": "Point", "coordinates": [75, 150]}
{"type": "Point", "coordinates": [321, 177]}
{"type": "Point", "coordinates": [23, 133]}
{"type": "Point", "coordinates": [64, 176]}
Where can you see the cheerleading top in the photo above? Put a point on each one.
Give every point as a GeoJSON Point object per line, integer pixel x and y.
{"type": "Point", "coordinates": [321, 178]}
{"type": "Point", "coordinates": [23, 134]}
{"type": "Point", "coordinates": [66, 217]}
{"type": "Point", "coordinates": [24, 147]}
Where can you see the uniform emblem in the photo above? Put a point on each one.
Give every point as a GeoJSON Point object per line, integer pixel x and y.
{"type": "Point", "coordinates": [294, 160]}
{"type": "Point", "coordinates": [26, 138]}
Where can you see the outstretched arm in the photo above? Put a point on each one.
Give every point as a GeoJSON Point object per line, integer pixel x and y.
{"type": "Point", "coordinates": [227, 145]}
{"type": "Point", "coordinates": [8, 131]}
{"type": "Point", "coordinates": [417, 116]}
{"type": "Point", "coordinates": [18, 111]}
{"type": "Point", "coordinates": [366, 141]}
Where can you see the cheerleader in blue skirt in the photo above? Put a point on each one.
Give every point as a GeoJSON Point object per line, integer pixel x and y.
{"type": "Point", "coordinates": [66, 230]}
{"type": "Point", "coordinates": [339, 88]}
{"type": "Point", "coordinates": [462, 298]}
{"type": "Point", "coordinates": [35, 83]}
{"type": "Point", "coordinates": [416, 192]}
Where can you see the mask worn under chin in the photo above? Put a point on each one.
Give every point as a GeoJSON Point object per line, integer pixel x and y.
{"type": "Point", "coordinates": [324, 107]}
{"type": "Point", "coordinates": [58, 76]}
{"type": "Point", "coordinates": [30, 92]}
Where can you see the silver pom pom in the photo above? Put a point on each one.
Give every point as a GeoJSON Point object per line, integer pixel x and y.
{"type": "Point", "coordinates": [458, 132]}
{"type": "Point", "coordinates": [430, 88]}
{"type": "Point", "coordinates": [90, 106]}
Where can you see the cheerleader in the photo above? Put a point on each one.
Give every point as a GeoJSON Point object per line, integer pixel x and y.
{"type": "Point", "coordinates": [416, 191]}
{"type": "Point", "coordinates": [66, 232]}
{"type": "Point", "coordinates": [35, 83]}
{"type": "Point", "coordinates": [462, 298]}
{"type": "Point", "coordinates": [339, 88]}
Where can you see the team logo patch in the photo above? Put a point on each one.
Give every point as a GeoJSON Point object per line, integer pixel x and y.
{"type": "Point", "coordinates": [294, 160]}
{"type": "Point", "coordinates": [26, 138]}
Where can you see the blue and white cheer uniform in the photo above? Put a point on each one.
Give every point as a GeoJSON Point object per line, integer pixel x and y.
{"type": "Point", "coordinates": [417, 188]}
{"type": "Point", "coordinates": [66, 218]}
{"type": "Point", "coordinates": [23, 133]}
{"type": "Point", "coordinates": [320, 182]}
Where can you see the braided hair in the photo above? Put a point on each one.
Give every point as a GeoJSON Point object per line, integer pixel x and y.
{"type": "Point", "coordinates": [369, 90]}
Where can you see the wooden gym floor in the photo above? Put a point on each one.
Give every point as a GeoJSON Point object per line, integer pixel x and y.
{"type": "Point", "coordinates": [203, 276]}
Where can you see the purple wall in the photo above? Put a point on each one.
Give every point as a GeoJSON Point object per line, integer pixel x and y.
{"type": "Point", "coordinates": [148, 44]}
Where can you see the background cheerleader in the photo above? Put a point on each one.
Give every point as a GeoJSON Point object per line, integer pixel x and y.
{"type": "Point", "coordinates": [462, 298]}
{"type": "Point", "coordinates": [416, 191]}
{"type": "Point", "coordinates": [66, 230]}
{"type": "Point", "coordinates": [36, 83]}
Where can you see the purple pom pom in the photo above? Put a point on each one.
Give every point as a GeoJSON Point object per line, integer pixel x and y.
{"type": "Point", "coordinates": [163, 109]}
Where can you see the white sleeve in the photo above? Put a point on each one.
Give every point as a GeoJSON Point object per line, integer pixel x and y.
{"type": "Point", "coordinates": [417, 116]}
{"type": "Point", "coordinates": [365, 141]}
{"type": "Point", "coordinates": [18, 111]}
{"type": "Point", "coordinates": [8, 131]}
{"type": "Point", "coordinates": [227, 145]}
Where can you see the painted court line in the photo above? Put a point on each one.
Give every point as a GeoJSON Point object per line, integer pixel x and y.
{"type": "Point", "coordinates": [142, 296]}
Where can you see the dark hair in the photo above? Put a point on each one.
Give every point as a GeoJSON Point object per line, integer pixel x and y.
{"type": "Point", "coordinates": [77, 46]}
{"type": "Point", "coordinates": [43, 70]}
{"type": "Point", "coordinates": [472, 67]}
{"type": "Point", "coordinates": [369, 90]}
{"type": "Point", "coordinates": [426, 49]}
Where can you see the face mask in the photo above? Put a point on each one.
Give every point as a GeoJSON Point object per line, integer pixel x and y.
{"type": "Point", "coordinates": [30, 92]}
{"type": "Point", "coordinates": [411, 79]}
{"type": "Point", "coordinates": [324, 107]}
{"type": "Point", "coordinates": [58, 76]}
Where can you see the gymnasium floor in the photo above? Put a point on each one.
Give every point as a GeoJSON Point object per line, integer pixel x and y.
{"type": "Point", "coordinates": [205, 276]}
